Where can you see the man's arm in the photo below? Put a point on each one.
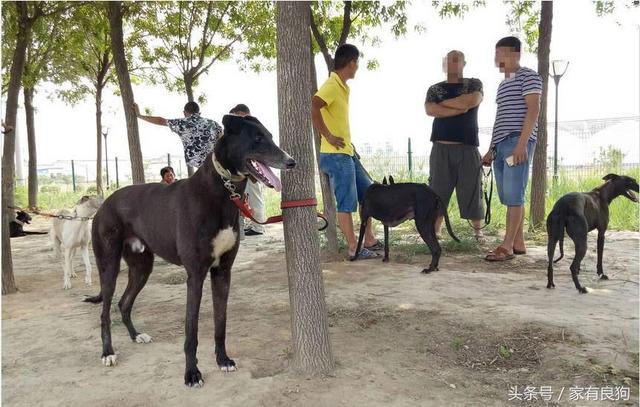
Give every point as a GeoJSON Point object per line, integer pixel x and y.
{"type": "Point", "coordinates": [438, 110]}
{"type": "Point", "coordinates": [160, 121]}
{"type": "Point", "coordinates": [532, 100]}
{"type": "Point", "coordinates": [466, 101]}
{"type": "Point", "coordinates": [319, 124]}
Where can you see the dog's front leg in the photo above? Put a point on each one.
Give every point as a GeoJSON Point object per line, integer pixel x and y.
{"type": "Point", "coordinates": [195, 279]}
{"type": "Point", "coordinates": [71, 270]}
{"type": "Point", "coordinates": [220, 283]}
{"type": "Point", "coordinates": [87, 265]}
{"type": "Point", "coordinates": [67, 269]}
{"type": "Point", "coordinates": [600, 251]}
{"type": "Point", "coordinates": [386, 244]}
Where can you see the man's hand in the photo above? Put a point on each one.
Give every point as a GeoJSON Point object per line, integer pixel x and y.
{"type": "Point", "coordinates": [136, 109]}
{"type": "Point", "coordinates": [520, 153]}
{"type": "Point", "coordinates": [487, 158]}
{"type": "Point", "coordinates": [337, 142]}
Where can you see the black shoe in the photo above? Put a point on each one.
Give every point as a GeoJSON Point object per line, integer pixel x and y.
{"type": "Point", "coordinates": [251, 232]}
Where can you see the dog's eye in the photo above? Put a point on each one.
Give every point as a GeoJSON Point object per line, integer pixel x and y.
{"type": "Point", "coordinates": [258, 138]}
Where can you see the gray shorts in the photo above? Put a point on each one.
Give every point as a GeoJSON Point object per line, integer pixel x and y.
{"type": "Point", "coordinates": [457, 166]}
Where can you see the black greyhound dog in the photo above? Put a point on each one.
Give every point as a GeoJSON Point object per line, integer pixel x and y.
{"type": "Point", "coordinates": [394, 204]}
{"type": "Point", "coordinates": [580, 213]}
{"type": "Point", "coordinates": [16, 227]}
{"type": "Point", "coordinates": [191, 222]}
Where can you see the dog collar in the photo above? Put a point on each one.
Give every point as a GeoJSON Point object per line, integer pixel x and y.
{"type": "Point", "coordinates": [225, 173]}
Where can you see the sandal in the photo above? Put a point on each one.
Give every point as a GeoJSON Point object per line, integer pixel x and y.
{"type": "Point", "coordinates": [499, 254]}
{"type": "Point", "coordinates": [364, 254]}
{"type": "Point", "coordinates": [376, 246]}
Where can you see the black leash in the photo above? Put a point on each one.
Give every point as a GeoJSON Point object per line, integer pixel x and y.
{"type": "Point", "coordinates": [487, 178]}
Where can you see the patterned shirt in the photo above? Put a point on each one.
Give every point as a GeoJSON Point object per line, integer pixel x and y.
{"type": "Point", "coordinates": [512, 107]}
{"type": "Point", "coordinates": [198, 135]}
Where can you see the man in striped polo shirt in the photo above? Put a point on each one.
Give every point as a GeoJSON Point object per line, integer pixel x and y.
{"type": "Point", "coordinates": [513, 141]}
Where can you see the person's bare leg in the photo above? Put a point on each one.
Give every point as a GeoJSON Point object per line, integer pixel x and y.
{"type": "Point", "coordinates": [369, 237]}
{"type": "Point", "coordinates": [345, 221]}
{"type": "Point", "coordinates": [518, 242]}
{"type": "Point", "coordinates": [477, 227]}
{"type": "Point", "coordinates": [514, 220]}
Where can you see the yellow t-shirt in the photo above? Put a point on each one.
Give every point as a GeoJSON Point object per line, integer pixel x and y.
{"type": "Point", "coordinates": [335, 114]}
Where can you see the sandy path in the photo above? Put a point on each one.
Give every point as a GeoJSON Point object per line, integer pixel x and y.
{"type": "Point", "coordinates": [399, 337]}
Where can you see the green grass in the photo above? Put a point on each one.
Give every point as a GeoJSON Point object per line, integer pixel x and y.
{"type": "Point", "coordinates": [623, 212]}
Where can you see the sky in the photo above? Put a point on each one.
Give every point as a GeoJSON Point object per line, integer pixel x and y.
{"type": "Point", "coordinates": [386, 104]}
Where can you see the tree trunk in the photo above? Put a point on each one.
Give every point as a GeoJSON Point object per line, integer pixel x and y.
{"type": "Point", "coordinates": [31, 141]}
{"type": "Point", "coordinates": [99, 139]}
{"type": "Point", "coordinates": [9, 148]}
{"type": "Point", "coordinates": [114, 12]}
{"type": "Point", "coordinates": [188, 87]}
{"type": "Point", "coordinates": [309, 324]}
{"type": "Point", "coordinates": [539, 172]}
{"type": "Point", "coordinates": [328, 200]}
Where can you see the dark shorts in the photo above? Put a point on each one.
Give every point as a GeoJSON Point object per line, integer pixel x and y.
{"type": "Point", "coordinates": [457, 166]}
{"type": "Point", "coordinates": [511, 182]}
{"type": "Point", "coordinates": [349, 180]}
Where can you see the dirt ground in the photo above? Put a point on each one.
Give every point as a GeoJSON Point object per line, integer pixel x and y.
{"type": "Point", "coordinates": [459, 337]}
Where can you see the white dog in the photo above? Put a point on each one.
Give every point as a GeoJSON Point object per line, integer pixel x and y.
{"type": "Point", "coordinates": [72, 232]}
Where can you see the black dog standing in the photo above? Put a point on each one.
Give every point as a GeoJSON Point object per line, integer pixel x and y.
{"type": "Point", "coordinates": [580, 213]}
{"type": "Point", "coordinates": [396, 203]}
{"type": "Point", "coordinates": [190, 222]}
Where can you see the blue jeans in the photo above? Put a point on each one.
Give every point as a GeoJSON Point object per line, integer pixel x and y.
{"type": "Point", "coordinates": [349, 180]}
{"type": "Point", "coordinates": [511, 182]}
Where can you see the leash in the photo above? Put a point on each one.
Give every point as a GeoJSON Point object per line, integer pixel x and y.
{"type": "Point", "coordinates": [242, 203]}
{"type": "Point", "coordinates": [50, 215]}
{"type": "Point", "coordinates": [487, 178]}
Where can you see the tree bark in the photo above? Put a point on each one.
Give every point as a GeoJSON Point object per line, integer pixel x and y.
{"type": "Point", "coordinates": [99, 89]}
{"type": "Point", "coordinates": [188, 86]}
{"type": "Point", "coordinates": [328, 200]}
{"type": "Point", "coordinates": [114, 12]}
{"type": "Point", "coordinates": [539, 172]}
{"type": "Point", "coordinates": [309, 324]}
{"type": "Point", "coordinates": [9, 147]}
{"type": "Point", "coordinates": [31, 141]}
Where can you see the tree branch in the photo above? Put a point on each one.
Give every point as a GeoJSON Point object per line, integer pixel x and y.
{"type": "Point", "coordinates": [321, 43]}
{"type": "Point", "coordinates": [346, 23]}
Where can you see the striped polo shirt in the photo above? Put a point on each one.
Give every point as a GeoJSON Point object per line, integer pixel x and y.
{"type": "Point", "coordinates": [511, 104]}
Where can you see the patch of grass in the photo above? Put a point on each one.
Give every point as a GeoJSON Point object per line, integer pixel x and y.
{"type": "Point", "coordinates": [457, 343]}
{"type": "Point", "coordinates": [504, 352]}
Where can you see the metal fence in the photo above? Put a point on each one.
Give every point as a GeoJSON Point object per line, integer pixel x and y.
{"type": "Point", "coordinates": [586, 148]}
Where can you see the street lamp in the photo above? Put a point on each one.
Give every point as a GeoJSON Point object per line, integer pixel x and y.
{"type": "Point", "coordinates": [105, 132]}
{"type": "Point", "coordinates": [558, 67]}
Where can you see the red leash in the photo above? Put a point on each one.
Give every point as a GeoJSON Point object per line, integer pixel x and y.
{"type": "Point", "coordinates": [247, 212]}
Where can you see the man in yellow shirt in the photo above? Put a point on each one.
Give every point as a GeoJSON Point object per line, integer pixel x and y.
{"type": "Point", "coordinates": [349, 180]}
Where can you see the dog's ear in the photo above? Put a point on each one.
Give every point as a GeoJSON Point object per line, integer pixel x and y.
{"type": "Point", "coordinates": [384, 181]}
{"type": "Point", "coordinates": [84, 199]}
{"type": "Point", "coordinates": [232, 123]}
{"type": "Point", "coordinates": [610, 177]}
{"type": "Point", "coordinates": [391, 181]}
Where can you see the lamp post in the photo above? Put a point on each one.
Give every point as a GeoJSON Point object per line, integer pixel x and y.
{"type": "Point", "coordinates": [558, 67]}
{"type": "Point", "coordinates": [105, 132]}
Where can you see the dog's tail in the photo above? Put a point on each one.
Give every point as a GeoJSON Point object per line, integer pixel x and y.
{"type": "Point", "coordinates": [95, 299]}
{"type": "Point", "coordinates": [446, 219]}
{"type": "Point", "coordinates": [555, 233]}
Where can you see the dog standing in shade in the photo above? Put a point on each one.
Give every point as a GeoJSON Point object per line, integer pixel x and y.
{"type": "Point", "coordinates": [579, 213]}
{"type": "Point", "coordinates": [393, 204]}
{"type": "Point", "coordinates": [68, 235]}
